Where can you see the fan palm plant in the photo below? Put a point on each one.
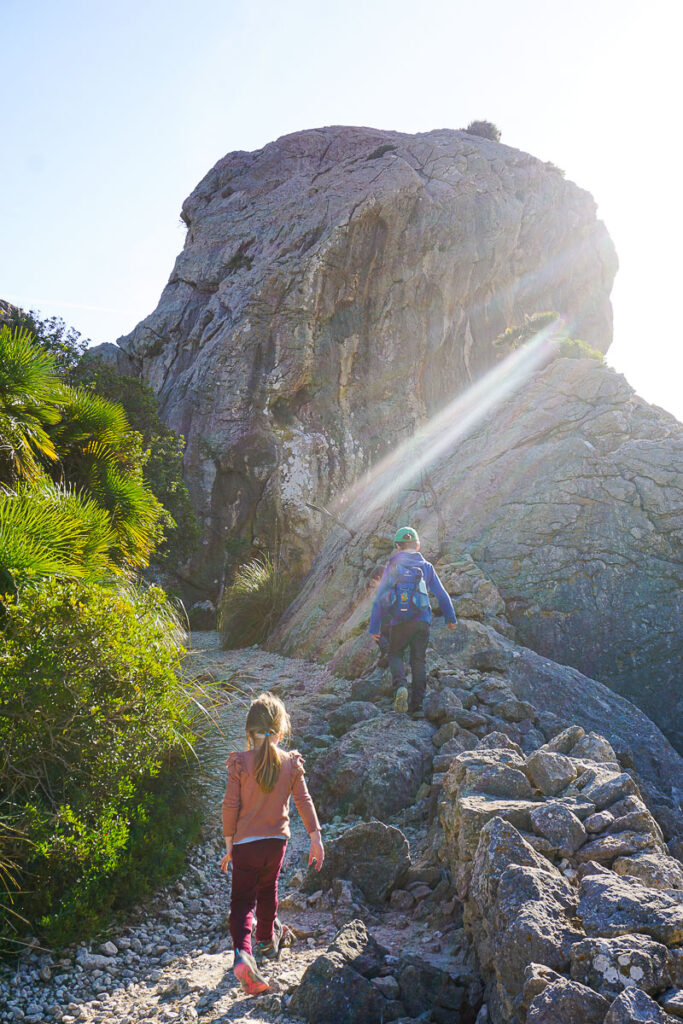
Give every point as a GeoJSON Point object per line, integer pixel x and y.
{"type": "Point", "coordinates": [48, 530]}
{"type": "Point", "coordinates": [30, 396]}
{"type": "Point", "coordinates": [99, 453]}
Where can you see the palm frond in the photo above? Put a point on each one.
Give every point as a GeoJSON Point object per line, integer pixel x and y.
{"type": "Point", "coordinates": [46, 530]}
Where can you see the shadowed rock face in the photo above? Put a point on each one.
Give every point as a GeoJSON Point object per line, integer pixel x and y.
{"type": "Point", "coordinates": [335, 289]}
{"type": "Point", "coordinates": [568, 495]}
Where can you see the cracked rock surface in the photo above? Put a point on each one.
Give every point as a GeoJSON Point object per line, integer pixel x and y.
{"type": "Point", "coordinates": [316, 274]}
{"type": "Point", "coordinates": [567, 500]}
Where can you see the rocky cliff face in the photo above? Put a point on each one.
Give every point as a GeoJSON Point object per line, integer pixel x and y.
{"type": "Point", "coordinates": [336, 289]}
{"type": "Point", "coordinates": [567, 496]}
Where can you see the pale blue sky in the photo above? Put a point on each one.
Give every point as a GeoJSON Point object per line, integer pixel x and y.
{"type": "Point", "coordinates": [112, 112]}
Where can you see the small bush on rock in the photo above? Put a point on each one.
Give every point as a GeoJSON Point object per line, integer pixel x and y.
{"type": "Point", "coordinates": [550, 327]}
{"type": "Point", "coordinates": [253, 603]}
{"type": "Point", "coordinates": [484, 129]}
{"type": "Point", "coordinates": [93, 715]}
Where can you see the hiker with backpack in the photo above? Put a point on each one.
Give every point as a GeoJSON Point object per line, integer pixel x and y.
{"type": "Point", "coordinates": [261, 780]}
{"type": "Point", "coordinates": [403, 594]}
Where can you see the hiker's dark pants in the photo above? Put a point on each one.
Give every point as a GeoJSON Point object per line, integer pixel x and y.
{"type": "Point", "coordinates": [415, 636]}
{"type": "Point", "coordinates": [383, 642]}
{"type": "Point", "coordinates": [255, 872]}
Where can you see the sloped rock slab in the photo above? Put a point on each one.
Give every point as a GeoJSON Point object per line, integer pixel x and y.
{"type": "Point", "coordinates": [633, 1006]}
{"type": "Point", "coordinates": [611, 905]}
{"type": "Point", "coordinates": [567, 1002]}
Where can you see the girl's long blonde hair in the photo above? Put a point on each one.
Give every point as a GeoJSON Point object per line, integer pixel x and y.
{"type": "Point", "coordinates": [267, 718]}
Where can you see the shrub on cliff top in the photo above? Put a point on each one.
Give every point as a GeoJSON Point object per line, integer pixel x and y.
{"type": "Point", "coordinates": [484, 129]}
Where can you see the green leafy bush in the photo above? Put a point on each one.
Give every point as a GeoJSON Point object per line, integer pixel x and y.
{"type": "Point", "coordinates": [94, 715]}
{"type": "Point", "coordinates": [253, 603]}
{"type": "Point", "coordinates": [518, 335]}
{"type": "Point", "coordinates": [551, 327]}
{"type": "Point", "coordinates": [574, 348]}
{"type": "Point", "coordinates": [65, 344]}
{"type": "Point", "coordinates": [484, 129]}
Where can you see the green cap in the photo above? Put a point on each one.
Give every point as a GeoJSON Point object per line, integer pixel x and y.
{"type": "Point", "coordinates": [405, 533]}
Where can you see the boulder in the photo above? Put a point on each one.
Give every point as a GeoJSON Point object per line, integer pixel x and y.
{"type": "Point", "coordinates": [654, 869]}
{"type": "Point", "coordinates": [518, 908]}
{"type": "Point", "coordinates": [612, 905]}
{"type": "Point", "coordinates": [336, 986]}
{"type": "Point", "coordinates": [606, 848]}
{"type": "Point", "coordinates": [610, 965]}
{"type": "Point", "coordinates": [441, 706]}
{"type": "Point", "coordinates": [560, 826]}
{"type": "Point", "coordinates": [598, 822]}
{"type": "Point", "coordinates": [633, 1006]}
{"type": "Point", "coordinates": [593, 747]}
{"type": "Point", "coordinates": [672, 1002]}
{"type": "Point", "coordinates": [535, 920]}
{"type": "Point", "coordinates": [605, 788]}
{"type": "Point", "coordinates": [494, 740]}
{"type": "Point", "coordinates": [375, 769]}
{"type": "Point", "coordinates": [350, 714]}
{"type": "Point", "coordinates": [567, 1002]}
{"type": "Point", "coordinates": [550, 772]}
{"type": "Point", "coordinates": [371, 855]}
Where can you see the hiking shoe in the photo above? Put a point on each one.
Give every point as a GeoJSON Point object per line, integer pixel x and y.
{"type": "Point", "coordinates": [282, 936]}
{"type": "Point", "coordinates": [248, 974]}
{"type": "Point", "coordinates": [271, 949]}
{"type": "Point", "coordinates": [401, 700]}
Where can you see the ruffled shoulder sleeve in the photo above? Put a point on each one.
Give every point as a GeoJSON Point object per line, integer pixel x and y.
{"type": "Point", "coordinates": [297, 765]}
{"type": "Point", "coordinates": [236, 766]}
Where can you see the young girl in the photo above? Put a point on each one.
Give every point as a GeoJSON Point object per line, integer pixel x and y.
{"type": "Point", "coordinates": [256, 829]}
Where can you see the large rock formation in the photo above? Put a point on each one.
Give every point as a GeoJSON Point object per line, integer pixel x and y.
{"type": "Point", "coordinates": [336, 289]}
{"type": "Point", "coordinates": [568, 495]}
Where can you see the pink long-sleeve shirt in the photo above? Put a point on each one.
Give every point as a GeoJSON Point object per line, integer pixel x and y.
{"type": "Point", "coordinates": [249, 812]}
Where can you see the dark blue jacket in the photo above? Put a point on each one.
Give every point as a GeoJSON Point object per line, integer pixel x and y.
{"type": "Point", "coordinates": [388, 581]}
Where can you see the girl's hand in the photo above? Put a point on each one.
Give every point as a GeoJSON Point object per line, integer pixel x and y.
{"type": "Point", "coordinates": [228, 855]}
{"type": "Point", "coordinates": [316, 854]}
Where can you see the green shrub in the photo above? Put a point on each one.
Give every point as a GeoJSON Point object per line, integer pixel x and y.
{"type": "Point", "coordinates": [514, 337]}
{"type": "Point", "coordinates": [484, 129]}
{"type": "Point", "coordinates": [94, 721]}
{"type": "Point", "coordinates": [253, 603]}
{"type": "Point", "coordinates": [573, 348]}
{"type": "Point", "coordinates": [552, 327]}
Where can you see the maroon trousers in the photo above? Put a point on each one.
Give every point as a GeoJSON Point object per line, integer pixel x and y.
{"type": "Point", "coordinates": [255, 871]}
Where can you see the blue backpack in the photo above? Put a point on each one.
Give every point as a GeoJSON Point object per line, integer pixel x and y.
{"type": "Point", "coordinates": [409, 593]}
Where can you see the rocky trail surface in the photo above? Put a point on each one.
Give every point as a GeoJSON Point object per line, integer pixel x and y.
{"type": "Point", "coordinates": [172, 960]}
{"type": "Point", "coordinates": [487, 862]}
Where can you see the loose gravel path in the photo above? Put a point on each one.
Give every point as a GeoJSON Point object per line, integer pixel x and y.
{"type": "Point", "coordinates": [172, 960]}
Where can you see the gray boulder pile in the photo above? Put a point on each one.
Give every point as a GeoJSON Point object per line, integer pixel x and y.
{"type": "Point", "coordinates": [356, 981]}
{"type": "Point", "coordinates": [570, 896]}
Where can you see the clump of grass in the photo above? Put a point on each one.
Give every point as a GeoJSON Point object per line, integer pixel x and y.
{"type": "Point", "coordinates": [253, 603]}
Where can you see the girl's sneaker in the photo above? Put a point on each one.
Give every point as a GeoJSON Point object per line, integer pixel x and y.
{"type": "Point", "coordinates": [282, 936]}
{"type": "Point", "coordinates": [248, 974]}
